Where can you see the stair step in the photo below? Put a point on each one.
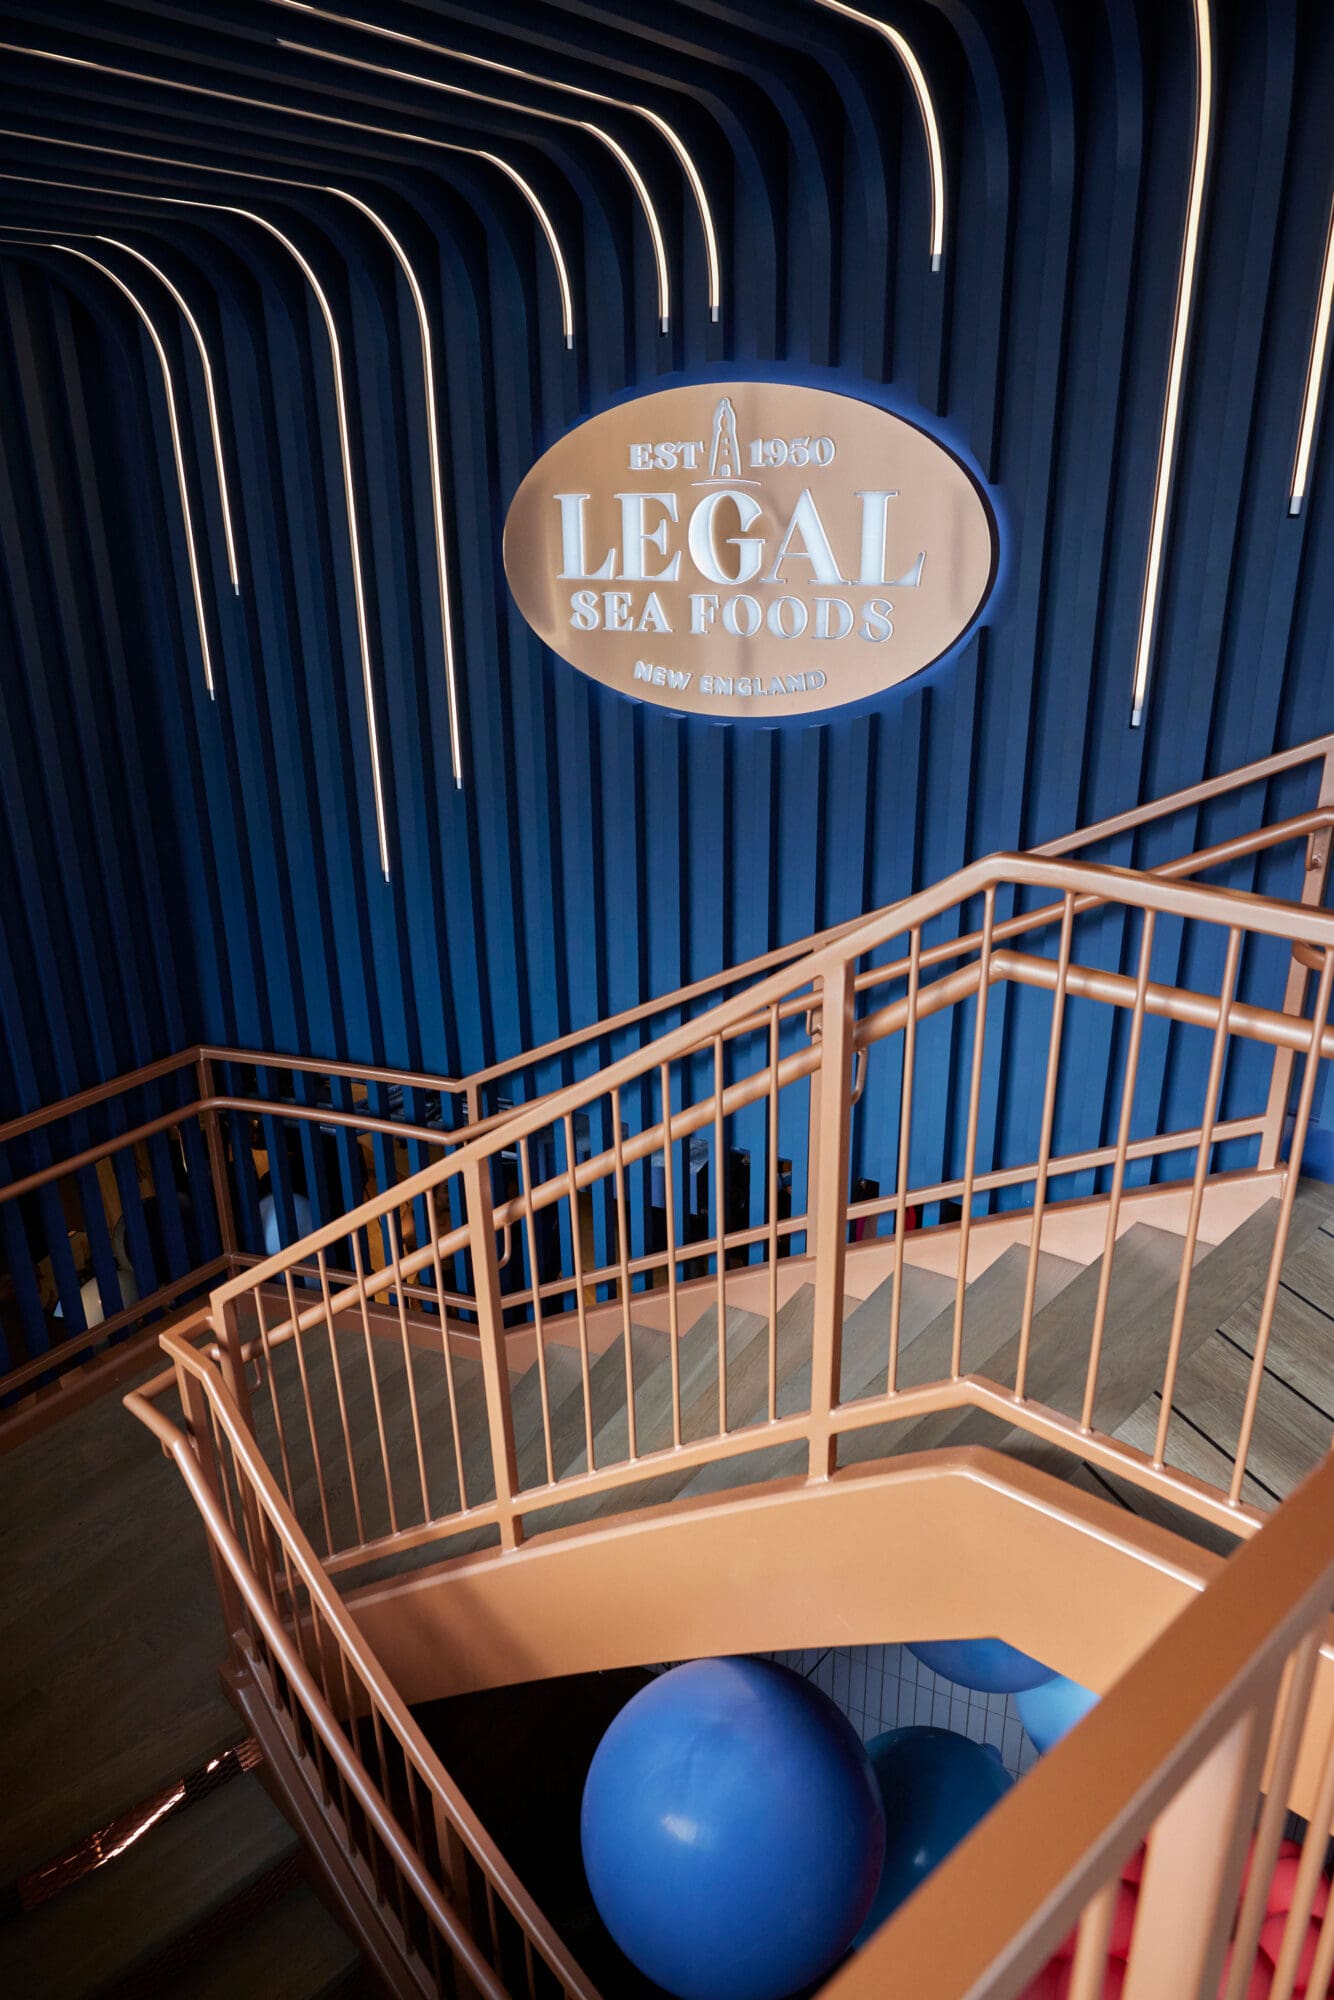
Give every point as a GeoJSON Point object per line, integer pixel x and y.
{"type": "Point", "coordinates": [189, 1865]}
{"type": "Point", "coordinates": [291, 1950]}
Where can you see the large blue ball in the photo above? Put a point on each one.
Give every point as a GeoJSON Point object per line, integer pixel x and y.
{"type": "Point", "coordinates": [732, 1831]}
{"type": "Point", "coordinates": [988, 1666]}
{"type": "Point", "coordinates": [936, 1785]}
{"type": "Point", "coordinates": [1051, 1711]}
{"type": "Point", "coordinates": [272, 1227]}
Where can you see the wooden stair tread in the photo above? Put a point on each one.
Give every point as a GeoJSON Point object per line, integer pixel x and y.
{"type": "Point", "coordinates": [187, 1866]}
{"type": "Point", "coordinates": [293, 1950]}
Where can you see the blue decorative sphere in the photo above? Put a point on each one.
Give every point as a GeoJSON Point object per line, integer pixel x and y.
{"type": "Point", "coordinates": [732, 1831]}
{"type": "Point", "coordinates": [936, 1785]}
{"type": "Point", "coordinates": [988, 1666]}
{"type": "Point", "coordinates": [1051, 1711]}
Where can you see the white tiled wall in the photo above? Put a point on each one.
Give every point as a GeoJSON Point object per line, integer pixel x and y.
{"type": "Point", "coordinates": [884, 1687]}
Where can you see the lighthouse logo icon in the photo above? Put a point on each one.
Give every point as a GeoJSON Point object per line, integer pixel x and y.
{"type": "Point", "coordinates": [724, 449]}
{"type": "Point", "coordinates": [724, 453]}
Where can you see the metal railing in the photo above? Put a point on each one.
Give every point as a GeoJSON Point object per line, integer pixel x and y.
{"type": "Point", "coordinates": [341, 1416]}
{"type": "Point", "coordinates": [437, 1453]}
{"type": "Point", "coordinates": [437, 1899]}
{"type": "Point", "coordinates": [125, 1201]}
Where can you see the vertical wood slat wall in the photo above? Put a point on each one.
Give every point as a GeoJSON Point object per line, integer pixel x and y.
{"type": "Point", "coordinates": [180, 868]}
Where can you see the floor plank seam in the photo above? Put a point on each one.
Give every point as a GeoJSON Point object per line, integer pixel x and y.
{"type": "Point", "coordinates": [1221, 1449]}
{"type": "Point", "coordinates": [1274, 1376]}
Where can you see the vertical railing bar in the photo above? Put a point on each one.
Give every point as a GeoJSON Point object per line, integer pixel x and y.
{"type": "Point", "coordinates": [669, 1198]}
{"type": "Point", "coordinates": [1128, 1083]}
{"type": "Point", "coordinates": [526, 1195]}
{"type": "Point", "coordinates": [829, 1178]}
{"type": "Point", "coordinates": [1299, 1676]}
{"type": "Point", "coordinates": [396, 1265]}
{"type": "Point", "coordinates": [1322, 1965]}
{"type": "Point", "coordinates": [1310, 1868]}
{"type": "Point", "coordinates": [299, 1342]}
{"type": "Point", "coordinates": [1044, 1144]}
{"type": "Point", "coordinates": [1088, 1973]}
{"type": "Point", "coordinates": [970, 1143]}
{"type": "Point", "coordinates": [258, 1297]}
{"type": "Point", "coordinates": [577, 1251]}
{"type": "Point", "coordinates": [623, 1251]}
{"type": "Point", "coordinates": [364, 1304]}
{"type": "Point", "coordinates": [353, 1484]}
{"type": "Point", "coordinates": [491, 1920]}
{"type": "Point", "coordinates": [720, 1219]}
{"type": "Point", "coordinates": [479, 1206]}
{"type": "Point", "coordinates": [321, 1748]}
{"type": "Point", "coordinates": [1204, 1151]}
{"type": "Point", "coordinates": [1310, 1070]}
{"type": "Point", "coordinates": [351, 1840]}
{"type": "Point", "coordinates": [343, 1793]}
{"type": "Point", "coordinates": [446, 1350]}
{"type": "Point", "coordinates": [773, 1211]}
{"type": "Point", "coordinates": [905, 1145]}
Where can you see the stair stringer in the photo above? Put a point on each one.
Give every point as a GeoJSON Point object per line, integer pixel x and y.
{"type": "Point", "coordinates": [974, 1543]}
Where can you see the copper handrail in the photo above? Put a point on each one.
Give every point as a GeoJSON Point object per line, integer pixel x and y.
{"type": "Point", "coordinates": [1026, 1873]}
{"type": "Point", "coordinates": [333, 1614]}
{"type": "Point", "coordinates": [1317, 749]}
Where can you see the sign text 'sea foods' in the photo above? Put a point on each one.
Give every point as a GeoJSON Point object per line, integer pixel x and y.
{"type": "Point", "coordinates": [749, 548]}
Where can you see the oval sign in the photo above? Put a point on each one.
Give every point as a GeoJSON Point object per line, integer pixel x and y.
{"type": "Point", "coordinates": [749, 549]}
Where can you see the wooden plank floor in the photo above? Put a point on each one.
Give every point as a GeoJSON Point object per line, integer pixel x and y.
{"type": "Point", "coordinates": [110, 1632]}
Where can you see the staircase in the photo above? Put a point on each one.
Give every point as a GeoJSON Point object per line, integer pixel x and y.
{"type": "Point", "coordinates": [788, 1328]}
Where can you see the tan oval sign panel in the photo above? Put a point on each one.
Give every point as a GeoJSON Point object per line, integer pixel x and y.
{"type": "Point", "coordinates": [749, 549]}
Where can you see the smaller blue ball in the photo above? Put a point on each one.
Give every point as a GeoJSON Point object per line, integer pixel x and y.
{"type": "Point", "coordinates": [936, 1786]}
{"type": "Point", "coordinates": [1051, 1711]}
{"type": "Point", "coordinates": [988, 1666]}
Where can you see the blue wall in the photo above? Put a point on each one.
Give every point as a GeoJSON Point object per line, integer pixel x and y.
{"type": "Point", "coordinates": [186, 868]}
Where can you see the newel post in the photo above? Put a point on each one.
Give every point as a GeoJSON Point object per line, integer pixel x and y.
{"type": "Point", "coordinates": [1314, 882]}
{"type": "Point", "coordinates": [217, 1160]}
{"type": "Point", "coordinates": [829, 1182]}
{"type": "Point", "coordinates": [480, 1212]}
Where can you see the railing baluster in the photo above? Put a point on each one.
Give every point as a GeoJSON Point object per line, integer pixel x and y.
{"type": "Point", "coordinates": [336, 1365]}
{"type": "Point", "coordinates": [970, 1144]}
{"type": "Point", "coordinates": [1192, 1871]}
{"type": "Point", "coordinates": [1088, 1973]}
{"type": "Point", "coordinates": [623, 1257]}
{"type": "Point", "coordinates": [298, 1341]}
{"type": "Point", "coordinates": [1299, 1677]}
{"type": "Point", "coordinates": [1044, 1145]}
{"type": "Point", "coordinates": [830, 1179]}
{"type": "Point", "coordinates": [526, 1196]}
{"type": "Point", "coordinates": [1310, 1070]}
{"type": "Point", "coordinates": [1309, 1872]}
{"type": "Point", "coordinates": [772, 1211]}
{"type": "Point", "coordinates": [581, 1305]}
{"type": "Point", "coordinates": [669, 1199]}
{"type": "Point", "coordinates": [720, 1219]}
{"type": "Point", "coordinates": [396, 1267]}
{"type": "Point", "coordinates": [1203, 1152]}
{"type": "Point", "coordinates": [446, 1350]}
{"type": "Point", "coordinates": [905, 1152]}
{"type": "Point", "coordinates": [1128, 1083]}
{"type": "Point", "coordinates": [480, 1210]}
{"type": "Point", "coordinates": [369, 1337]}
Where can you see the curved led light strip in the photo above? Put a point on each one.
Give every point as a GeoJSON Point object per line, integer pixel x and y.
{"type": "Point", "coordinates": [926, 107]}
{"type": "Point", "coordinates": [429, 375]}
{"type": "Point", "coordinates": [659, 124]}
{"type": "Point", "coordinates": [212, 400]}
{"type": "Point", "coordinates": [1315, 375]}
{"type": "Point", "coordinates": [349, 494]}
{"type": "Point", "coordinates": [167, 384]}
{"type": "Point", "coordinates": [613, 146]}
{"type": "Point", "coordinates": [312, 117]}
{"type": "Point", "coordinates": [1167, 442]}
{"type": "Point", "coordinates": [437, 489]}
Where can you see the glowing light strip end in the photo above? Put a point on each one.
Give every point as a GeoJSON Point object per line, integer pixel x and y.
{"type": "Point", "coordinates": [209, 394]}
{"type": "Point", "coordinates": [183, 487]}
{"type": "Point", "coordinates": [907, 55]}
{"type": "Point", "coordinates": [1315, 376]}
{"type": "Point", "coordinates": [1167, 442]}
